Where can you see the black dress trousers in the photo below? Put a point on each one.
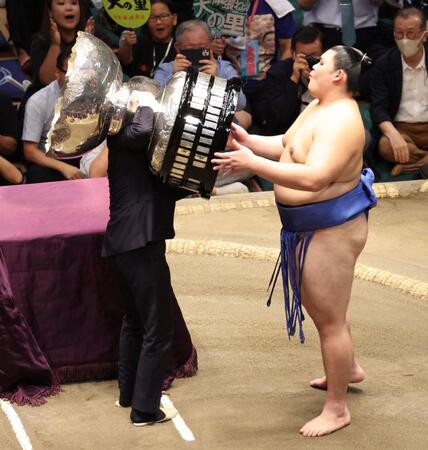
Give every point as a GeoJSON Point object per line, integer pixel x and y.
{"type": "Point", "coordinates": [147, 328]}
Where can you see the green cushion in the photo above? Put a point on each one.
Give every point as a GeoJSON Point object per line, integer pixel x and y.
{"type": "Point", "coordinates": [365, 114]}
{"type": "Point", "coordinates": [264, 184]}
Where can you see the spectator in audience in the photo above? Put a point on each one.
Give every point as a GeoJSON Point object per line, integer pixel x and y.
{"type": "Point", "coordinates": [265, 20]}
{"type": "Point", "coordinates": [326, 15]}
{"type": "Point", "coordinates": [9, 137]}
{"type": "Point", "coordinates": [143, 55]}
{"type": "Point", "coordinates": [24, 18]}
{"type": "Point", "coordinates": [111, 32]}
{"type": "Point", "coordinates": [285, 93]}
{"type": "Point", "coordinates": [62, 19]}
{"type": "Point", "coordinates": [400, 96]}
{"type": "Point", "coordinates": [38, 117]}
{"type": "Point", "coordinates": [196, 34]}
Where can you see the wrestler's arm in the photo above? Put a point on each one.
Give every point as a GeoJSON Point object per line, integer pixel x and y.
{"type": "Point", "coordinates": [270, 147]}
{"type": "Point", "coordinates": [334, 148]}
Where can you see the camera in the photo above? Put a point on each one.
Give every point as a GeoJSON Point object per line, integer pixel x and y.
{"type": "Point", "coordinates": [194, 55]}
{"type": "Point", "coordinates": [312, 60]}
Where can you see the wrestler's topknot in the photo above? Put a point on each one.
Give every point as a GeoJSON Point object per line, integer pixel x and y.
{"type": "Point", "coordinates": [350, 59]}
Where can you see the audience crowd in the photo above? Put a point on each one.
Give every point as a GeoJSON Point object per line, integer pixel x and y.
{"type": "Point", "coordinates": [289, 38]}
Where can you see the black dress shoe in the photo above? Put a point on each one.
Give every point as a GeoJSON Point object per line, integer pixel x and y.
{"type": "Point", "coordinates": [122, 404]}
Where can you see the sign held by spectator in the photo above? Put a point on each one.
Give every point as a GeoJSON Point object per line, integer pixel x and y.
{"type": "Point", "coordinates": [224, 17]}
{"type": "Point", "coordinates": [128, 13]}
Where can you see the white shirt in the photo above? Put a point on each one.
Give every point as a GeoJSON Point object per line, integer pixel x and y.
{"type": "Point", "coordinates": [88, 158]}
{"type": "Point", "coordinates": [39, 113]}
{"type": "Point", "coordinates": [327, 12]}
{"type": "Point", "coordinates": [414, 98]}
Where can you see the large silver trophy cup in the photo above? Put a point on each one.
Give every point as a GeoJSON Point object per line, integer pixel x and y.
{"type": "Point", "coordinates": [192, 122]}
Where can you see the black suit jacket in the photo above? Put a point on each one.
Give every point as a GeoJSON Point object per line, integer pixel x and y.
{"type": "Point", "coordinates": [141, 206]}
{"type": "Point", "coordinates": [279, 100]}
{"type": "Point", "coordinates": [387, 86]}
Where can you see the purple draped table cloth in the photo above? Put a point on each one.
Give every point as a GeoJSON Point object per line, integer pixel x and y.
{"type": "Point", "coordinates": [60, 312]}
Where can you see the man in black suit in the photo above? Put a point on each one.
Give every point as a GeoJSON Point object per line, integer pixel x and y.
{"type": "Point", "coordinates": [285, 93]}
{"type": "Point", "coordinates": [141, 218]}
{"type": "Point", "coordinates": [399, 104]}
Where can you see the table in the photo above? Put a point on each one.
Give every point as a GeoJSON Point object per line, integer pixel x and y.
{"type": "Point", "coordinates": [60, 312]}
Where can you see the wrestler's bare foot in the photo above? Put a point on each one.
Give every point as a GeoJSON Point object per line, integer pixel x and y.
{"type": "Point", "coordinates": [329, 421]}
{"type": "Point", "coordinates": [356, 377]}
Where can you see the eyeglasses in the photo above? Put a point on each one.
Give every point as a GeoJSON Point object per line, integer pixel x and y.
{"type": "Point", "coordinates": [161, 18]}
{"type": "Point", "coordinates": [408, 35]}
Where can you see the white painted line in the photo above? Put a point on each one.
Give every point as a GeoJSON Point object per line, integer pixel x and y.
{"type": "Point", "coordinates": [16, 424]}
{"type": "Point", "coordinates": [180, 424]}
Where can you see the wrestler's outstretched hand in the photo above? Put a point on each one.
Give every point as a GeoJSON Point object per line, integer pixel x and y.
{"type": "Point", "coordinates": [239, 159]}
{"type": "Point", "coordinates": [238, 134]}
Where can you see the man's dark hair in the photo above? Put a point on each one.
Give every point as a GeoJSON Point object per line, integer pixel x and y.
{"type": "Point", "coordinates": [62, 58]}
{"type": "Point", "coordinates": [407, 13]}
{"type": "Point", "coordinates": [143, 84]}
{"type": "Point", "coordinates": [306, 35]}
{"type": "Point", "coordinates": [349, 60]}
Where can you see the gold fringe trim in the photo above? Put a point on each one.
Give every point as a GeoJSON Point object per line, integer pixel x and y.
{"type": "Point", "coordinates": [266, 199]}
{"type": "Point", "coordinates": [226, 249]}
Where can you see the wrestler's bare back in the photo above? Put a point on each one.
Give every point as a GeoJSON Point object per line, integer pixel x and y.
{"type": "Point", "coordinates": [338, 130]}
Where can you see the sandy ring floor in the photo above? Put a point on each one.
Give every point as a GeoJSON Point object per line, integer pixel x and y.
{"type": "Point", "coordinates": [251, 391]}
{"type": "Point", "coordinates": [406, 285]}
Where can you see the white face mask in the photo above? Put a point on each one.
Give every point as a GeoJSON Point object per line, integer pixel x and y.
{"type": "Point", "coordinates": [409, 47]}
